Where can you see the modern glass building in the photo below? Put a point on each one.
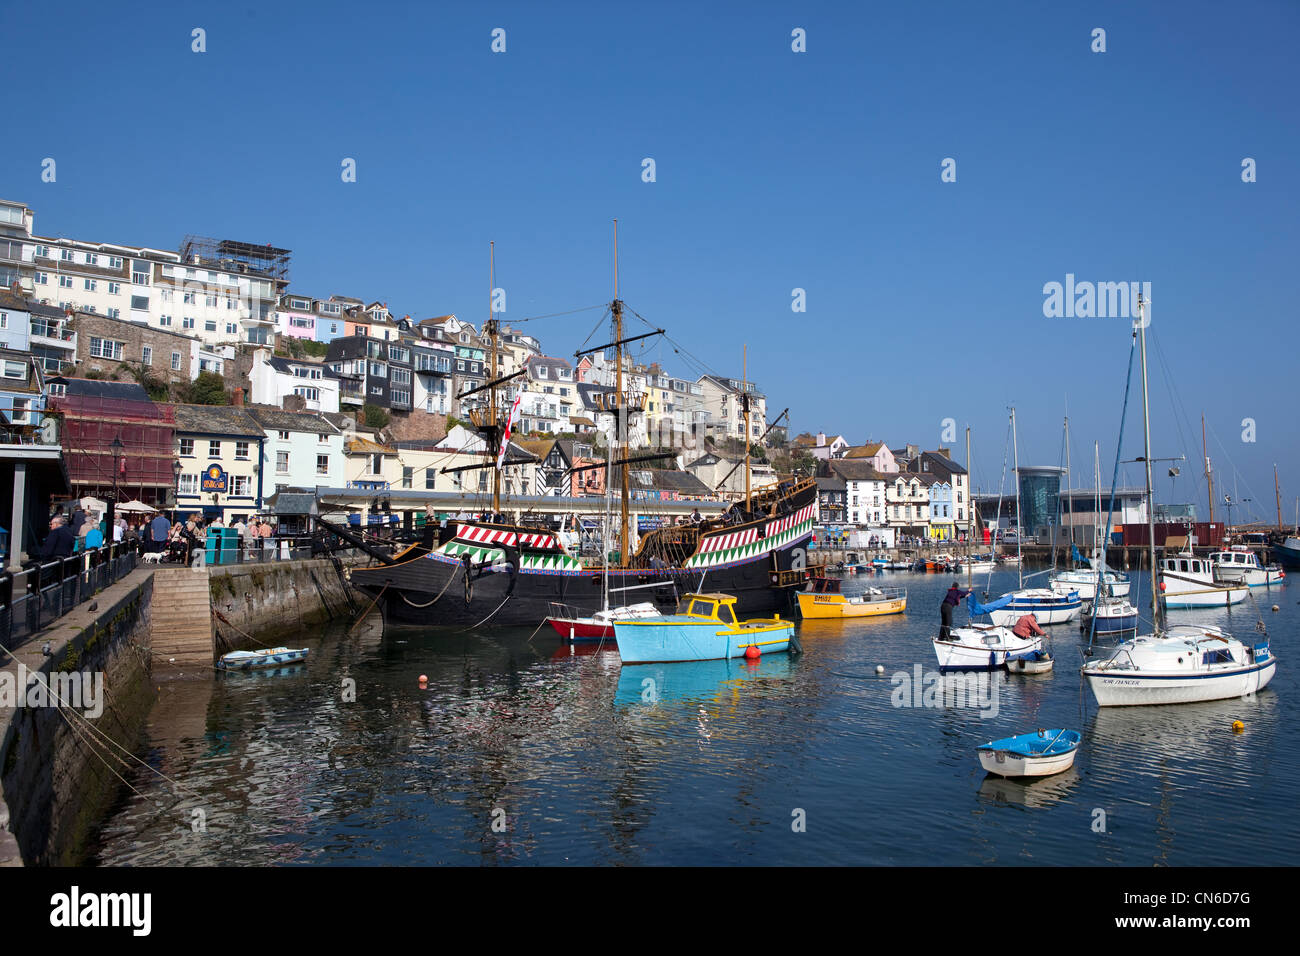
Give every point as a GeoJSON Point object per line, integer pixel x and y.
{"type": "Point", "coordinates": [1040, 491]}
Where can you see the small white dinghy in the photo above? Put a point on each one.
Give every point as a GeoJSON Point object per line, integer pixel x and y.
{"type": "Point", "coordinates": [1031, 662]}
{"type": "Point", "coordinates": [1038, 754]}
{"type": "Point", "coordinates": [268, 657]}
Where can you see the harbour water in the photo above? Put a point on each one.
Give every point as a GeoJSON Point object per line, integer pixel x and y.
{"type": "Point", "coordinates": [520, 752]}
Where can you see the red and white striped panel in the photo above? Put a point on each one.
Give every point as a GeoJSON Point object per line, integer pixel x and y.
{"type": "Point", "coordinates": [723, 542]}
{"type": "Point", "coordinates": [486, 535]}
{"type": "Point", "coordinates": [789, 521]}
{"type": "Point", "coordinates": [540, 541]}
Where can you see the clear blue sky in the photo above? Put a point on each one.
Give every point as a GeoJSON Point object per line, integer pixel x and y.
{"type": "Point", "coordinates": [775, 170]}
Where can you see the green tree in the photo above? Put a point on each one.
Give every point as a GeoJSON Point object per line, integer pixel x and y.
{"type": "Point", "coordinates": [372, 416]}
{"type": "Point", "coordinates": [208, 389]}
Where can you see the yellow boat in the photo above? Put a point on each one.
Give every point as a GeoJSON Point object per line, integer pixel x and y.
{"type": "Point", "coordinates": [823, 599]}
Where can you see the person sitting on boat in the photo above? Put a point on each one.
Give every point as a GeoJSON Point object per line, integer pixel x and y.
{"type": "Point", "coordinates": [1027, 626]}
{"type": "Point", "coordinates": [950, 601]}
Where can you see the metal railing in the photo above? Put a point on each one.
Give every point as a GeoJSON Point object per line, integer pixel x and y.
{"type": "Point", "coordinates": [41, 593]}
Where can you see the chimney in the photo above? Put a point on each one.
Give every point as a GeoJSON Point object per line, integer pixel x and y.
{"type": "Point", "coordinates": [294, 403]}
{"type": "Point", "coordinates": [239, 398]}
{"type": "Point", "coordinates": [821, 439]}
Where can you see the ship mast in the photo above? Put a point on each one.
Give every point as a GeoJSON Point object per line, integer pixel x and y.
{"type": "Point", "coordinates": [491, 329]}
{"type": "Point", "coordinates": [1015, 451]}
{"type": "Point", "coordinates": [1069, 489]}
{"type": "Point", "coordinates": [1146, 439]}
{"type": "Point", "coordinates": [968, 510]}
{"type": "Point", "coordinates": [621, 416]}
{"type": "Point", "coordinates": [744, 402]}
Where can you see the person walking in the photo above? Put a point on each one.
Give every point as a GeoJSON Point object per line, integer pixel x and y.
{"type": "Point", "coordinates": [950, 601]}
{"type": "Point", "coordinates": [60, 541]}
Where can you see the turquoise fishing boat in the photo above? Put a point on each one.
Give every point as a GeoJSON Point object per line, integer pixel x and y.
{"type": "Point", "coordinates": [269, 657]}
{"type": "Point", "coordinates": [1038, 754]}
{"type": "Point", "coordinates": [704, 629]}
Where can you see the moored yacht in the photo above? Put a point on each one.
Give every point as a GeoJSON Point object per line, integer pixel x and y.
{"type": "Point", "coordinates": [1083, 581]}
{"type": "Point", "coordinates": [1240, 565]}
{"type": "Point", "coordinates": [1187, 581]}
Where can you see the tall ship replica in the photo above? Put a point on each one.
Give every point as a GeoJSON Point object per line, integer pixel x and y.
{"type": "Point", "coordinates": [489, 572]}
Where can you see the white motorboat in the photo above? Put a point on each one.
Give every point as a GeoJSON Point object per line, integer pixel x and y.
{"type": "Point", "coordinates": [1180, 665]}
{"type": "Point", "coordinates": [1240, 565]}
{"type": "Point", "coordinates": [1187, 581]}
{"type": "Point", "coordinates": [1113, 616]}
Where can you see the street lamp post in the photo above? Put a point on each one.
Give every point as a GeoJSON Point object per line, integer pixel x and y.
{"type": "Point", "coordinates": [177, 468]}
{"type": "Point", "coordinates": [110, 512]}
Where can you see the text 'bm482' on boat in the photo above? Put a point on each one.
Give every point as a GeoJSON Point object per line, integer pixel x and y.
{"type": "Point", "coordinates": [499, 571]}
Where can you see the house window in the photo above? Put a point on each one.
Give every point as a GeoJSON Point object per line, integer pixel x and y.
{"type": "Point", "coordinates": [239, 485]}
{"type": "Point", "coordinates": [209, 325]}
{"type": "Point", "coordinates": [140, 303]}
{"type": "Point", "coordinates": [139, 273]}
{"type": "Point", "coordinates": [115, 262]}
{"type": "Point", "coordinates": [430, 479]}
{"type": "Point", "coordinates": [241, 450]}
{"type": "Point", "coordinates": [282, 463]}
{"type": "Point", "coordinates": [189, 485]}
{"type": "Point", "coordinates": [407, 474]}
{"type": "Point", "coordinates": [232, 328]}
{"type": "Point", "coordinates": [322, 464]}
{"type": "Point", "coordinates": [187, 447]}
{"type": "Point", "coordinates": [65, 255]}
{"type": "Point", "coordinates": [42, 278]}
{"type": "Point", "coordinates": [190, 298]}
{"type": "Point", "coordinates": [176, 361]}
{"type": "Point", "coordinates": [106, 348]}
{"type": "Point", "coordinates": [146, 356]}
{"type": "Point", "coordinates": [90, 285]}
{"type": "Point", "coordinates": [16, 370]}
{"type": "Point", "coordinates": [65, 282]}
{"type": "Point", "coordinates": [376, 464]}
{"type": "Point", "coordinates": [322, 438]}
{"type": "Point", "coordinates": [310, 394]}
{"type": "Point", "coordinates": [210, 301]}
{"type": "Point", "coordinates": [284, 436]}
{"type": "Point", "coordinates": [214, 448]}
{"type": "Point", "coordinates": [187, 322]}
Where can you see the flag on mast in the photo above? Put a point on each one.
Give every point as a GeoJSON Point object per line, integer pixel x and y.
{"type": "Point", "coordinates": [511, 419]}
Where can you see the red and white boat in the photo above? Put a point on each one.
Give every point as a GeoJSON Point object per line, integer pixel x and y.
{"type": "Point", "coordinates": [596, 627]}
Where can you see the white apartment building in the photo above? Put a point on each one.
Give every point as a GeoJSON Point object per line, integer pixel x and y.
{"type": "Point", "coordinates": [301, 450]}
{"type": "Point", "coordinates": [272, 378]}
{"type": "Point", "coordinates": [221, 292]}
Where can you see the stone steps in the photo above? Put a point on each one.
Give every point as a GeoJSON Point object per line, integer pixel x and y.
{"type": "Point", "coordinates": [181, 619]}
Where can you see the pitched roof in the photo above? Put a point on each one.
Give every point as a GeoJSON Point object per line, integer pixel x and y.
{"type": "Point", "coordinates": [868, 450]}
{"type": "Point", "coordinates": [855, 470]}
{"type": "Point", "coordinates": [364, 446]}
{"type": "Point", "coordinates": [281, 420]}
{"type": "Point", "coordinates": [663, 479]}
{"type": "Point", "coordinates": [217, 420]}
{"type": "Point", "coordinates": [98, 388]}
{"type": "Point", "coordinates": [833, 483]}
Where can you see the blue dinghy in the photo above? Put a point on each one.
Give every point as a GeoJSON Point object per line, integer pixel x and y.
{"type": "Point", "coordinates": [1038, 754]}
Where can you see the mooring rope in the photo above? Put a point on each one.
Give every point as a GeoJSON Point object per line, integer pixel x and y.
{"type": "Point", "coordinates": [489, 617]}
{"type": "Point", "coordinates": [440, 593]}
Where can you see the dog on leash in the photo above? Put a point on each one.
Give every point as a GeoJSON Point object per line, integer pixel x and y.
{"type": "Point", "coordinates": [153, 557]}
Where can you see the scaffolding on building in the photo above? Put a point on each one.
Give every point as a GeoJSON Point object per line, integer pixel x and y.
{"type": "Point", "coordinates": [232, 255]}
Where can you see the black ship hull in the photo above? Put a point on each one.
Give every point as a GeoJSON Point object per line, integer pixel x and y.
{"type": "Point", "coordinates": [433, 590]}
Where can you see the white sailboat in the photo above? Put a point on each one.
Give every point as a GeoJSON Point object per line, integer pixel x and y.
{"type": "Point", "coordinates": [1182, 664]}
{"type": "Point", "coordinates": [1047, 606]}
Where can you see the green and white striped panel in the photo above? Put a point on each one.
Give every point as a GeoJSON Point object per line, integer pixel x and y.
{"type": "Point", "coordinates": [762, 546]}
{"type": "Point", "coordinates": [549, 562]}
{"type": "Point", "coordinates": [478, 554]}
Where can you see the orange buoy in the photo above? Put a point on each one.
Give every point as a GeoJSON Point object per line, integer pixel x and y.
{"type": "Point", "coordinates": [1238, 726]}
{"type": "Point", "coordinates": [1162, 587]}
{"type": "Point", "coordinates": [424, 681]}
{"type": "Point", "coordinates": [752, 653]}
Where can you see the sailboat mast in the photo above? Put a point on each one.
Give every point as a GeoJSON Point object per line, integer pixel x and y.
{"type": "Point", "coordinates": [1015, 470]}
{"type": "Point", "coordinates": [621, 419]}
{"type": "Point", "coordinates": [1209, 475]}
{"type": "Point", "coordinates": [969, 506]}
{"type": "Point", "coordinates": [1146, 455]}
{"type": "Point", "coordinates": [1069, 485]}
{"type": "Point", "coordinates": [1277, 490]}
{"type": "Point", "coordinates": [492, 394]}
{"type": "Point", "coordinates": [744, 401]}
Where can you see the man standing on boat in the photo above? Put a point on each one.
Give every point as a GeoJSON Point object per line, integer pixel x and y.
{"type": "Point", "coordinates": [1027, 626]}
{"type": "Point", "coordinates": [950, 601]}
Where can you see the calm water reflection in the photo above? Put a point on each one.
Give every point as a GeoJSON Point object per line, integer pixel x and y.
{"type": "Point", "coordinates": [590, 762]}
